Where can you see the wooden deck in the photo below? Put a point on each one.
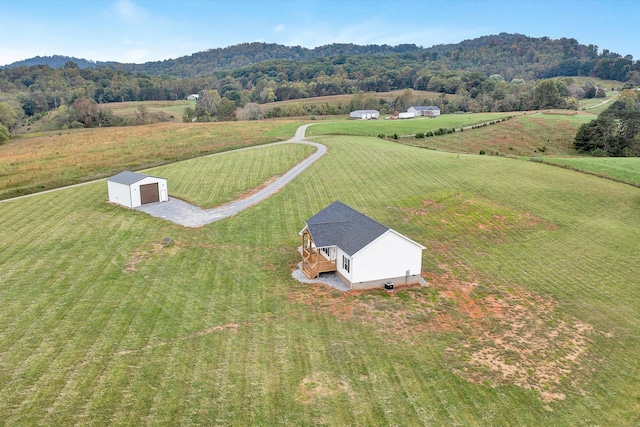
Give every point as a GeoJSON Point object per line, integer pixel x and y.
{"type": "Point", "coordinates": [313, 263]}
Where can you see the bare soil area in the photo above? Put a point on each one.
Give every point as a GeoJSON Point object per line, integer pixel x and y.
{"type": "Point", "coordinates": [505, 336]}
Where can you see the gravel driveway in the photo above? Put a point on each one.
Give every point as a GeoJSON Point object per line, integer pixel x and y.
{"type": "Point", "coordinates": [187, 215]}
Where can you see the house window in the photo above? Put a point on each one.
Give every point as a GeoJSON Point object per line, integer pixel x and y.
{"type": "Point", "coordinates": [346, 263]}
{"type": "Point", "coordinates": [326, 251]}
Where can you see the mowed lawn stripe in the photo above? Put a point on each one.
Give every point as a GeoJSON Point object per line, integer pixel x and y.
{"type": "Point", "coordinates": [212, 329]}
{"type": "Point", "coordinates": [214, 180]}
{"type": "Point", "coordinates": [547, 194]}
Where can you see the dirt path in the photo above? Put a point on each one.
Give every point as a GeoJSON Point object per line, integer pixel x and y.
{"type": "Point", "coordinates": [188, 215]}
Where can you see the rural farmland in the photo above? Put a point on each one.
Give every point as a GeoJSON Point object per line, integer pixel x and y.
{"type": "Point", "coordinates": [530, 317]}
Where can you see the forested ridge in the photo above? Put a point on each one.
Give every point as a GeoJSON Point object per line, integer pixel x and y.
{"type": "Point", "coordinates": [513, 55]}
{"type": "Point", "coordinates": [504, 72]}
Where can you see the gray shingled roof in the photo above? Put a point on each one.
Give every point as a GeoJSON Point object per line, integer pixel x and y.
{"type": "Point", "coordinates": [342, 226]}
{"type": "Point", "coordinates": [127, 177]}
{"type": "Point", "coordinates": [424, 108]}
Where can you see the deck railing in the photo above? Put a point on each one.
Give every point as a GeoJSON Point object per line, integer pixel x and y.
{"type": "Point", "coordinates": [313, 264]}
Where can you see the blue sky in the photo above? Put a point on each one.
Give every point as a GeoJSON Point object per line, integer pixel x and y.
{"type": "Point", "coordinates": [150, 30]}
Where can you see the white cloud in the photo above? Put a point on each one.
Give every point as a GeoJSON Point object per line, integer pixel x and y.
{"type": "Point", "coordinates": [279, 28]}
{"type": "Point", "coordinates": [128, 11]}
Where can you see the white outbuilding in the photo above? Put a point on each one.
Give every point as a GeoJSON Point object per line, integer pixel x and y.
{"type": "Point", "coordinates": [132, 189]}
{"type": "Point", "coordinates": [364, 114]}
{"type": "Point", "coordinates": [364, 253]}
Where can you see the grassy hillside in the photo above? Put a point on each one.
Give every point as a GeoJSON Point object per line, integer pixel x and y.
{"type": "Point", "coordinates": [530, 134]}
{"type": "Point", "coordinates": [406, 127]}
{"type": "Point", "coordinates": [158, 111]}
{"type": "Point", "coordinates": [42, 161]}
{"type": "Point", "coordinates": [344, 100]}
{"type": "Point", "coordinates": [531, 316]}
{"type": "Point", "coordinates": [208, 183]}
{"type": "Point", "coordinates": [625, 169]}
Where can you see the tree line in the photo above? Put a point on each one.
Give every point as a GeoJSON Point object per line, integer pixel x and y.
{"type": "Point", "coordinates": [615, 132]}
{"type": "Point", "coordinates": [512, 55]}
{"type": "Point", "coordinates": [506, 72]}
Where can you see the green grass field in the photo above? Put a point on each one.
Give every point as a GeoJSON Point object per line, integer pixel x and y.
{"type": "Point", "coordinates": [40, 162]}
{"type": "Point", "coordinates": [221, 179]}
{"type": "Point", "coordinates": [522, 135]}
{"type": "Point", "coordinates": [531, 316]}
{"type": "Point", "coordinates": [402, 127]}
{"type": "Point", "coordinates": [158, 111]}
{"type": "Point", "coordinates": [626, 169]}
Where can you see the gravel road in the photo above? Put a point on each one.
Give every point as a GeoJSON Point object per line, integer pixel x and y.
{"type": "Point", "coordinates": [187, 215]}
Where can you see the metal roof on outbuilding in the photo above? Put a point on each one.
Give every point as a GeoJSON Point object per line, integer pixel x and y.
{"type": "Point", "coordinates": [127, 177]}
{"type": "Point", "coordinates": [342, 226]}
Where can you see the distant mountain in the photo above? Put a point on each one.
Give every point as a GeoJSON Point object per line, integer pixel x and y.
{"type": "Point", "coordinates": [496, 72]}
{"type": "Point", "coordinates": [212, 60]}
{"type": "Point", "coordinates": [55, 61]}
{"type": "Point", "coordinates": [491, 54]}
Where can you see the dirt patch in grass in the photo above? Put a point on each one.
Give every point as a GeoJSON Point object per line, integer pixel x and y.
{"type": "Point", "coordinates": [505, 336]}
{"type": "Point", "coordinates": [150, 251]}
{"type": "Point", "coordinates": [317, 386]}
{"type": "Point", "coordinates": [512, 336]}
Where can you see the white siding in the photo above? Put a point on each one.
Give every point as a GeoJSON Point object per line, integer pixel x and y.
{"type": "Point", "coordinates": [119, 193]}
{"type": "Point", "coordinates": [389, 256]}
{"type": "Point", "coordinates": [129, 195]}
{"type": "Point", "coordinates": [347, 274]}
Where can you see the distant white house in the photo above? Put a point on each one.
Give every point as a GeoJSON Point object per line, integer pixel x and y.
{"type": "Point", "coordinates": [133, 189]}
{"type": "Point", "coordinates": [364, 114]}
{"type": "Point", "coordinates": [428, 111]}
{"type": "Point", "coordinates": [193, 96]}
{"type": "Point", "coordinates": [363, 252]}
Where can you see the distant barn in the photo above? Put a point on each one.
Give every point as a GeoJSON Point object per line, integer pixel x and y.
{"type": "Point", "coordinates": [364, 114]}
{"type": "Point", "coordinates": [133, 189]}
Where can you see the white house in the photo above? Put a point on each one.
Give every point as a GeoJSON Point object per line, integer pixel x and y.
{"type": "Point", "coordinates": [364, 114]}
{"type": "Point", "coordinates": [133, 189]}
{"type": "Point", "coordinates": [428, 111]}
{"type": "Point", "coordinates": [193, 96]}
{"type": "Point", "coordinates": [363, 252]}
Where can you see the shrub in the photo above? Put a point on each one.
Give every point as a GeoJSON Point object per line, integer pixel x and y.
{"type": "Point", "coordinates": [482, 152]}
{"type": "Point", "coordinates": [4, 134]}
